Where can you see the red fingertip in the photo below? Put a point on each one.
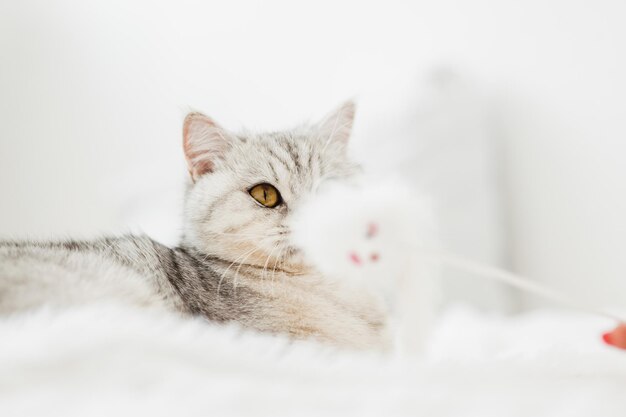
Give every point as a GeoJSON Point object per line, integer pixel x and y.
{"type": "Point", "coordinates": [608, 338]}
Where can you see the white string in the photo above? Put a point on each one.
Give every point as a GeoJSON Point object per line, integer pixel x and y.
{"type": "Point", "coordinates": [518, 281]}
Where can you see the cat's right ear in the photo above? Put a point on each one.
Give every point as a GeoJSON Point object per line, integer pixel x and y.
{"type": "Point", "coordinates": [336, 127]}
{"type": "Point", "coordinates": [204, 143]}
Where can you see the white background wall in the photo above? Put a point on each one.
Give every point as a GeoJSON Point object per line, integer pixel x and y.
{"type": "Point", "coordinates": [92, 95]}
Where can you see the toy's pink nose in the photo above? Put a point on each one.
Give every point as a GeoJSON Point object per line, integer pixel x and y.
{"type": "Point", "coordinates": [355, 258]}
{"type": "Point", "coordinates": [372, 230]}
{"type": "Point", "coordinates": [374, 257]}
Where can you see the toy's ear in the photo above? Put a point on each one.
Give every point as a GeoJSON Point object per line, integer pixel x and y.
{"type": "Point", "coordinates": [204, 143]}
{"type": "Point", "coordinates": [336, 127]}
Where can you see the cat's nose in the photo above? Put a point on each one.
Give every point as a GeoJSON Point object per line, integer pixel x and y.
{"type": "Point", "coordinates": [372, 230]}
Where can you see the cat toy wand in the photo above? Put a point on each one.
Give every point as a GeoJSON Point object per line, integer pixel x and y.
{"type": "Point", "coordinates": [615, 338]}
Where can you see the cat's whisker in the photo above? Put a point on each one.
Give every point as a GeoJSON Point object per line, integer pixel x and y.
{"type": "Point", "coordinates": [238, 269]}
{"type": "Point", "coordinates": [276, 262]}
{"type": "Point", "coordinates": [272, 279]}
{"type": "Point", "coordinates": [246, 254]}
{"type": "Point", "coordinates": [264, 272]}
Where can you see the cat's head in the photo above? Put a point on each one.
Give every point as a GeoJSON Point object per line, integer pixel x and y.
{"type": "Point", "coordinates": [245, 188]}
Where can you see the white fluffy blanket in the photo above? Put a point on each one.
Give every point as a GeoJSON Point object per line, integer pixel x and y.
{"type": "Point", "coordinates": [113, 362]}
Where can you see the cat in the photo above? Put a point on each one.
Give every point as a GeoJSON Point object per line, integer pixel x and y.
{"type": "Point", "coordinates": [236, 261]}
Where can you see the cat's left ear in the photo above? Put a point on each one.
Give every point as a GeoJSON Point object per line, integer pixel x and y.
{"type": "Point", "coordinates": [205, 143]}
{"type": "Point", "coordinates": [336, 127]}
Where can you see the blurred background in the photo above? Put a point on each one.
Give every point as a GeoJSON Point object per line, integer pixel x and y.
{"type": "Point", "coordinates": [509, 113]}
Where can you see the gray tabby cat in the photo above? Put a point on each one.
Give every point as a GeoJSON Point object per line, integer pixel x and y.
{"type": "Point", "coordinates": [235, 262]}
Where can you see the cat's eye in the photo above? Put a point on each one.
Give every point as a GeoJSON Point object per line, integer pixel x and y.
{"type": "Point", "coordinates": [266, 194]}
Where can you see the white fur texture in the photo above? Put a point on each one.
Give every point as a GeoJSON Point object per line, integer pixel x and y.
{"type": "Point", "coordinates": [104, 361]}
{"type": "Point", "coordinates": [335, 223]}
{"type": "Point", "coordinates": [368, 234]}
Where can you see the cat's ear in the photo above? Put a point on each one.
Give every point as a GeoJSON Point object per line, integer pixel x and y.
{"type": "Point", "coordinates": [336, 127]}
{"type": "Point", "coordinates": [204, 143]}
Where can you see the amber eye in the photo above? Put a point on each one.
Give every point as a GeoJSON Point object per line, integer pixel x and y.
{"type": "Point", "coordinates": [266, 194]}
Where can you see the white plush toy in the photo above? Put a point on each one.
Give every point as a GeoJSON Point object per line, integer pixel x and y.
{"type": "Point", "coordinates": [368, 234]}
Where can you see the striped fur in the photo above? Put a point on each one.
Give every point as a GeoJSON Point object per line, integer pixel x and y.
{"type": "Point", "coordinates": [235, 262]}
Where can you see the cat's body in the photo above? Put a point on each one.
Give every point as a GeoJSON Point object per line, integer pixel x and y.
{"type": "Point", "coordinates": [236, 261]}
{"type": "Point", "coordinates": [138, 271]}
